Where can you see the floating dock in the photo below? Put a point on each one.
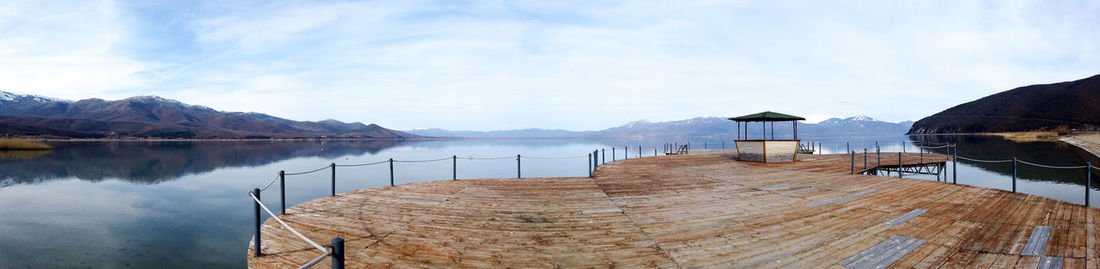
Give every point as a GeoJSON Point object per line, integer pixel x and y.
{"type": "Point", "coordinates": [701, 210]}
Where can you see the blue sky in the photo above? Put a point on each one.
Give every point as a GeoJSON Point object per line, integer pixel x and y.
{"type": "Point", "coordinates": [582, 65]}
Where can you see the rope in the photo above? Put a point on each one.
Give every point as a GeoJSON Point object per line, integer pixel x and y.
{"type": "Point", "coordinates": [1051, 166]}
{"type": "Point", "coordinates": [936, 147]}
{"type": "Point", "coordinates": [984, 161]}
{"type": "Point", "coordinates": [292, 230]}
{"type": "Point", "coordinates": [494, 158]}
{"type": "Point", "coordinates": [269, 183]}
{"type": "Point", "coordinates": [555, 158]}
{"type": "Point", "coordinates": [423, 161]}
{"type": "Point", "coordinates": [307, 172]}
{"type": "Point", "coordinates": [1096, 167]}
{"type": "Point", "coordinates": [361, 164]}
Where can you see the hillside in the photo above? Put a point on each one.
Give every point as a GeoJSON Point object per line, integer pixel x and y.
{"type": "Point", "coordinates": [695, 127]}
{"type": "Point", "coordinates": [1072, 104]}
{"type": "Point", "coordinates": [156, 117]}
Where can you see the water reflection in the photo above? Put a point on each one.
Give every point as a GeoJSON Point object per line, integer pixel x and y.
{"type": "Point", "coordinates": [155, 162]}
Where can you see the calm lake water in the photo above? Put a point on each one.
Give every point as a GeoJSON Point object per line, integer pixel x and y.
{"type": "Point", "coordinates": [185, 204]}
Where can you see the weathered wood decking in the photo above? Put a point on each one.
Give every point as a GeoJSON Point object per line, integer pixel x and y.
{"type": "Point", "coordinates": [697, 210]}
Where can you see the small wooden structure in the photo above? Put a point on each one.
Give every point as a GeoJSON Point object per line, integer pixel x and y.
{"type": "Point", "coordinates": [765, 149]}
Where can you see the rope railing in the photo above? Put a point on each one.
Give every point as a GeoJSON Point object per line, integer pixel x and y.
{"type": "Point", "coordinates": [554, 158]}
{"type": "Point", "coordinates": [360, 164]}
{"type": "Point", "coordinates": [487, 158]}
{"type": "Point", "coordinates": [325, 252]}
{"type": "Point", "coordinates": [270, 183]}
{"type": "Point", "coordinates": [307, 172]}
{"type": "Point", "coordinates": [984, 161]}
{"type": "Point", "coordinates": [1052, 166]}
{"type": "Point", "coordinates": [422, 161]}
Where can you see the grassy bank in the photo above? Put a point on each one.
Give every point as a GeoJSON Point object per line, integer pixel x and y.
{"type": "Point", "coordinates": [1034, 136]}
{"type": "Point", "coordinates": [22, 144]}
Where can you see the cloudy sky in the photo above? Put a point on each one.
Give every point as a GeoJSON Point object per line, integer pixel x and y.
{"type": "Point", "coordinates": [484, 65]}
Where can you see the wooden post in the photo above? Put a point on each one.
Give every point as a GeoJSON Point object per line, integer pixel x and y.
{"type": "Point", "coordinates": [337, 256]}
{"type": "Point", "coordinates": [282, 190]}
{"type": "Point", "coordinates": [391, 171]}
{"type": "Point", "coordinates": [256, 209]}
{"type": "Point", "coordinates": [333, 191]}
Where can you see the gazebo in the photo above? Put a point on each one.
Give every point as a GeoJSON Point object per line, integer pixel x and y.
{"type": "Point", "coordinates": [765, 149]}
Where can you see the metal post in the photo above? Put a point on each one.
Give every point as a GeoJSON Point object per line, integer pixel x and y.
{"type": "Point", "coordinates": [1013, 174]}
{"type": "Point", "coordinates": [704, 144]}
{"type": "Point", "coordinates": [654, 151]}
{"type": "Point", "coordinates": [853, 162]}
{"type": "Point", "coordinates": [590, 165]}
{"type": "Point", "coordinates": [639, 151]}
{"type": "Point", "coordinates": [256, 208]}
{"type": "Point", "coordinates": [612, 154]}
{"type": "Point", "coordinates": [518, 175]}
{"type": "Point", "coordinates": [1088, 182]}
{"type": "Point", "coordinates": [337, 256]}
{"type": "Point", "coordinates": [603, 157]}
{"type": "Point", "coordinates": [333, 192]}
{"type": "Point", "coordinates": [921, 154]}
{"type": "Point", "coordinates": [954, 164]}
{"type": "Point", "coordinates": [391, 171]}
{"type": "Point", "coordinates": [282, 190]}
{"type": "Point", "coordinates": [847, 146]}
{"type": "Point", "coordinates": [899, 164]}
{"type": "Point", "coordinates": [626, 153]}
{"type": "Point", "coordinates": [723, 144]}
{"type": "Point", "coordinates": [454, 166]}
{"type": "Point", "coordinates": [864, 158]}
{"type": "Point", "coordinates": [878, 156]}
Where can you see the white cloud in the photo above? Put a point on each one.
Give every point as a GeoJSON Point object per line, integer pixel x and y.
{"type": "Point", "coordinates": [575, 65]}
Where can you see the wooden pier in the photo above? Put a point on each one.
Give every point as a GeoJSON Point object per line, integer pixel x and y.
{"type": "Point", "coordinates": [701, 210]}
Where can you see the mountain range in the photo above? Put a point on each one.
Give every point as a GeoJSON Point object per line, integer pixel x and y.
{"type": "Point", "coordinates": [1063, 106]}
{"type": "Point", "coordinates": [156, 117]}
{"type": "Point", "coordinates": [696, 127]}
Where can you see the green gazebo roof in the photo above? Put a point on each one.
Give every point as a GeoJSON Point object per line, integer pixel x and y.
{"type": "Point", "coordinates": [767, 116]}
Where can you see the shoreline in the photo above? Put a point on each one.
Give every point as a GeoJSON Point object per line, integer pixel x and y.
{"type": "Point", "coordinates": [1088, 142]}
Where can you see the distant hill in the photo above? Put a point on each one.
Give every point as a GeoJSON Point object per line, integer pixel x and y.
{"type": "Point", "coordinates": [1072, 104]}
{"type": "Point", "coordinates": [696, 127]}
{"type": "Point", "coordinates": [156, 117]}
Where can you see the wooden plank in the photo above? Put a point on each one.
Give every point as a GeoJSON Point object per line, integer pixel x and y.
{"type": "Point", "coordinates": [903, 218]}
{"type": "Point", "coordinates": [1046, 262]}
{"type": "Point", "coordinates": [1037, 243]}
{"type": "Point", "coordinates": [842, 198]}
